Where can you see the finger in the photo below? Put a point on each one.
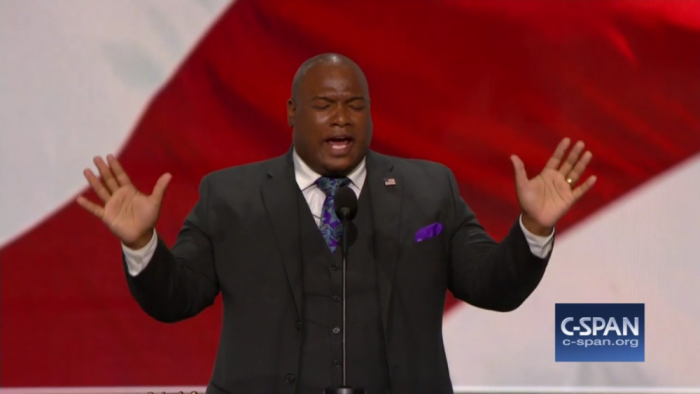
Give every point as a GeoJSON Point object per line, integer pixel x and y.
{"type": "Point", "coordinates": [520, 173]}
{"type": "Point", "coordinates": [159, 188]}
{"type": "Point", "coordinates": [106, 174]}
{"type": "Point", "coordinates": [555, 160]}
{"type": "Point", "coordinates": [118, 170]}
{"type": "Point", "coordinates": [580, 167]}
{"type": "Point", "coordinates": [585, 187]}
{"type": "Point", "coordinates": [97, 186]}
{"type": "Point", "coordinates": [572, 159]}
{"type": "Point", "coordinates": [91, 207]}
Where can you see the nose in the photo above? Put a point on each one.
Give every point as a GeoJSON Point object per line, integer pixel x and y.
{"type": "Point", "coordinates": [340, 117]}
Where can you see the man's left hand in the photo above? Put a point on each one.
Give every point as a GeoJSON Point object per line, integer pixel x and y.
{"type": "Point", "coordinates": [545, 198]}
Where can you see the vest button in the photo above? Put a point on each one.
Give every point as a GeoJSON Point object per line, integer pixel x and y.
{"type": "Point", "coordinates": [290, 378]}
{"type": "Point", "coordinates": [334, 267]}
{"type": "Point", "coordinates": [336, 298]}
{"type": "Point", "coordinates": [298, 324]}
{"type": "Point", "coordinates": [336, 330]}
{"type": "Point", "coordinates": [336, 364]}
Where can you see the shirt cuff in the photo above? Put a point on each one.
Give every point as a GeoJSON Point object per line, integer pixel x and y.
{"type": "Point", "coordinates": [137, 260]}
{"type": "Point", "coordinates": [540, 246]}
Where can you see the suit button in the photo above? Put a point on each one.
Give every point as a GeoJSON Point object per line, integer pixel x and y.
{"type": "Point", "coordinates": [334, 267]}
{"type": "Point", "coordinates": [336, 298]}
{"type": "Point", "coordinates": [290, 378]}
{"type": "Point", "coordinates": [337, 364]}
{"type": "Point", "coordinates": [298, 324]}
{"type": "Point", "coordinates": [336, 330]}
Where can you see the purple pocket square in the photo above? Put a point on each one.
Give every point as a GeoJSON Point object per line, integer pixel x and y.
{"type": "Point", "coordinates": [428, 232]}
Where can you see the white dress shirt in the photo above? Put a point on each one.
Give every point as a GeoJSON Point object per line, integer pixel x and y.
{"type": "Point", "coordinates": [136, 260]}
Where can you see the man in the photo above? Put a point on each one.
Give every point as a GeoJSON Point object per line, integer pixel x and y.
{"type": "Point", "coordinates": [264, 236]}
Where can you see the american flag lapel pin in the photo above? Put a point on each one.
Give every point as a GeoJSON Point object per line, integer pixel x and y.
{"type": "Point", "coordinates": [389, 182]}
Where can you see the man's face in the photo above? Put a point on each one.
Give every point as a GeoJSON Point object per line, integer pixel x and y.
{"type": "Point", "coordinates": [331, 119]}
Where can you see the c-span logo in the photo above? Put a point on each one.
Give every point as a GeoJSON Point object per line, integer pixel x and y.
{"type": "Point", "coordinates": [599, 332]}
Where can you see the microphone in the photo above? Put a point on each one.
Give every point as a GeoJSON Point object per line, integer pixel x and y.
{"type": "Point", "coordinates": [345, 203]}
{"type": "Point", "coordinates": [346, 210]}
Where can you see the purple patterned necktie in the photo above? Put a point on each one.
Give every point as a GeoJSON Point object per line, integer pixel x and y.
{"type": "Point", "coordinates": [331, 227]}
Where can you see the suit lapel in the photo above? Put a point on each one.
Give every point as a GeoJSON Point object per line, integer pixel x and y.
{"type": "Point", "coordinates": [385, 187]}
{"type": "Point", "coordinates": [279, 195]}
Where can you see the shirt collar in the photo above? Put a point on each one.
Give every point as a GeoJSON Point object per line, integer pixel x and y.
{"type": "Point", "coordinates": [306, 177]}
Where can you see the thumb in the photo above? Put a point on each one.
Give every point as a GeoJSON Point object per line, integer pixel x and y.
{"type": "Point", "coordinates": [520, 174]}
{"type": "Point", "coordinates": [161, 185]}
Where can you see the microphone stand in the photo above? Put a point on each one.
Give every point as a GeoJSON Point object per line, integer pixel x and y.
{"type": "Point", "coordinates": [344, 389]}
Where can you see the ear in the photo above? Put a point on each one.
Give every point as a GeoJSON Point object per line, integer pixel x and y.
{"type": "Point", "coordinates": [291, 112]}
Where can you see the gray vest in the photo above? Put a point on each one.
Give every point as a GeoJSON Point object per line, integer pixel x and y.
{"type": "Point", "coordinates": [321, 350]}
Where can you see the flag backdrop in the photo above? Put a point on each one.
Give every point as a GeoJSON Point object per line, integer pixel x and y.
{"type": "Point", "coordinates": [189, 87]}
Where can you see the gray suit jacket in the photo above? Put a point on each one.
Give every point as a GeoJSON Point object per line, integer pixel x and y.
{"type": "Point", "coordinates": [241, 240]}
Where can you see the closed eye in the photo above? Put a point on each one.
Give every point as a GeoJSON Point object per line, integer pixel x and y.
{"type": "Point", "coordinates": [356, 103]}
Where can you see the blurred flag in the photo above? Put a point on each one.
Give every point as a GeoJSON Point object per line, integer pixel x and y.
{"type": "Point", "coordinates": [191, 87]}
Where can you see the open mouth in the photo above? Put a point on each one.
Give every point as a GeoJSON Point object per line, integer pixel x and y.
{"type": "Point", "coordinates": [340, 144]}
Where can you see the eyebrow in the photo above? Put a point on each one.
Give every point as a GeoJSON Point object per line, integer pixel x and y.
{"type": "Point", "coordinates": [326, 98]}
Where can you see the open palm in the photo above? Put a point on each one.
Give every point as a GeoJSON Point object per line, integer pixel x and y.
{"type": "Point", "coordinates": [128, 213]}
{"type": "Point", "coordinates": [545, 198]}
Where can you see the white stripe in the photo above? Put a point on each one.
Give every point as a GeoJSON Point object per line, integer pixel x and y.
{"type": "Point", "coordinates": [642, 248]}
{"type": "Point", "coordinates": [76, 75]}
{"type": "Point", "coordinates": [576, 390]}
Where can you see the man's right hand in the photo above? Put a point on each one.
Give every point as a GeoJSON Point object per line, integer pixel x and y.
{"type": "Point", "coordinates": [128, 213]}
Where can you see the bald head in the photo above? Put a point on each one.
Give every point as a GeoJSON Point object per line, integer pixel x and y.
{"type": "Point", "coordinates": [330, 59]}
{"type": "Point", "coordinates": [329, 113]}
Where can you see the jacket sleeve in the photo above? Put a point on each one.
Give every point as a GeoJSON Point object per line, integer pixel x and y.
{"type": "Point", "coordinates": [179, 283]}
{"type": "Point", "coordinates": [485, 273]}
